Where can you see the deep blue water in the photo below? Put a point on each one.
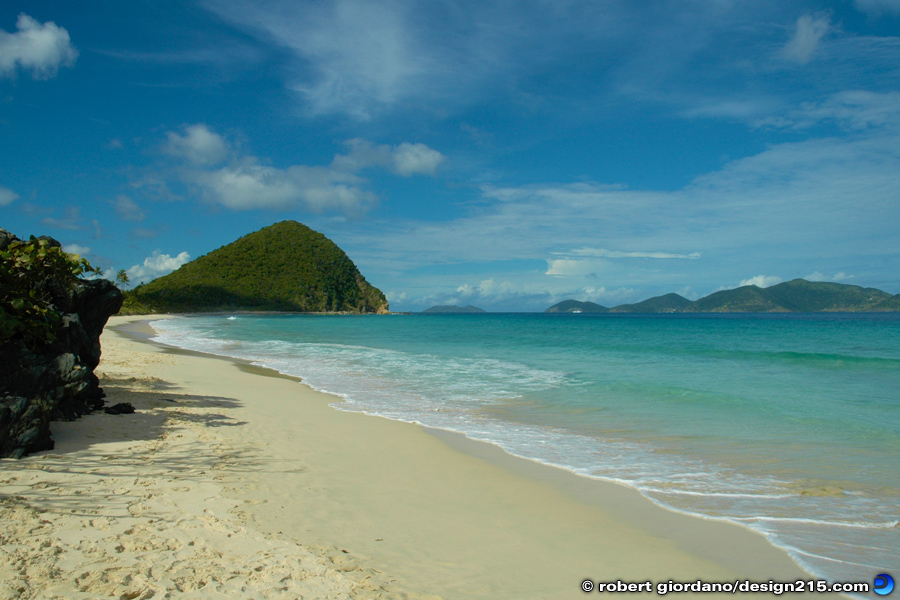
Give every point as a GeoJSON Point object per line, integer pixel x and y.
{"type": "Point", "coordinates": [789, 424]}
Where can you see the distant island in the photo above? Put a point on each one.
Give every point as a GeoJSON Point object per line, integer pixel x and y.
{"type": "Point", "coordinates": [797, 295]}
{"type": "Point", "coordinates": [448, 309]}
{"type": "Point", "coordinates": [284, 267]}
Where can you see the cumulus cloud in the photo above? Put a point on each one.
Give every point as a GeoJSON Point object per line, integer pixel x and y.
{"type": "Point", "coordinates": [246, 183]}
{"type": "Point", "coordinates": [156, 265]}
{"type": "Point", "coordinates": [405, 159]}
{"type": "Point", "coordinates": [41, 49]}
{"type": "Point", "coordinates": [762, 281]}
{"type": "Point", "coordinates": [810, 31]}
{"type": "Point", "coordinates": [7, 196]}
{"type": "Point", "coordinates": [128, 210]}
{"type": "Point", "coordinates": [198, 145]}
{"type": "Point", "coordinates": [411, 159]}
{"type": "Point", "coordinates": [250, 185]}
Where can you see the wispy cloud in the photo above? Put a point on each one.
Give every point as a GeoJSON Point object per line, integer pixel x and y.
{"type": "Point", "coordinates": [852, 110]}
{"type": "Point", "coordinates": [127, 209]}
{"type": "Point", "coordinates": [601, 252]}
{"type": "Point", "coordinates": [71, 219]}
{"type": "Point", "coordinates": [810, 31]}
{"type": "Point", "coordinates": [39, 48]}
{"type": "Point", "coordinates": [363, 57]}
{"type": "Point", "coordinates": [7, 196]}
{"type": "Point", "coordinates": [878, 7]}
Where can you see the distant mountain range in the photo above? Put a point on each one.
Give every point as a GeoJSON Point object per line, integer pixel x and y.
{"type": "Point", "coordinates": [447, 309]}
{"type": "Point", "coordinates": [798, 295]}
{"type": "Point", "coordinates": [283, 267]}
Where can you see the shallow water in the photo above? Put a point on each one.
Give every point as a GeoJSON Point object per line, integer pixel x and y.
{"type": "Point", "coordinates": [789, 424]}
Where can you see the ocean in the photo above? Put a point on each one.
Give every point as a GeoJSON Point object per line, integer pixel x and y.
{"type": "Point", "coordinates": [786, 423]}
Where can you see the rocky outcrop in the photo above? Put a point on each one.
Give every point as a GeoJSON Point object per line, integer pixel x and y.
{"type": "Point", "coordinates": [54, 381]}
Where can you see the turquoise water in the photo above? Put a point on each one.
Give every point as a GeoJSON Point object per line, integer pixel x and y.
{"type": "Point", "coordinates": [788, 424]}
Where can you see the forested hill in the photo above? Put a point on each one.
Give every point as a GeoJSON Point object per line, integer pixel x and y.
{"type": "Point", "coordinates": [284, 267]}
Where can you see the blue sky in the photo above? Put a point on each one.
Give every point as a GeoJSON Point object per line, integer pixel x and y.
{"type": "Point", "coordinates": [504, 154]}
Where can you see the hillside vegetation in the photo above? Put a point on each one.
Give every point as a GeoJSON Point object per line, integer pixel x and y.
{"type": "Point", "coordinates": [284, 267]}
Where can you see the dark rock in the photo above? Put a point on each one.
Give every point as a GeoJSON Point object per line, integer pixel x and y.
{"type": "Point", "coordinates": [122, 408]}
{"type": "Point", "coordinates": [54, 381]}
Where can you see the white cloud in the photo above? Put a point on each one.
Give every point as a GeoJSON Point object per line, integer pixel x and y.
{"type": "Point", "coordinates": [762, 281]}
{"type": "Point", "coordinates": [245, 183]}
{"type": "Point", "coordinates": [411, 159]}
{"type": "Point", "coordinates": [405, 159]}
{"type": "Point", "coordinates": [878, 7]}
{"type": "Point", "coordinates": [487, 289]}
{"type": "Point", "coordinates": [810, 31]}
{"type": "Point", "coordinates": [76, 249]}
{"type": "Point", "coordinates": [199, 145]}
{"type": "Point", "coordinates": [818, 276]}
{"type": "Point", "coordinates": [7, 196]}
{"type": "Point", "coordinates": [249, 185]}
{"type": "Point", "coordinates": [128, 210]}
{"type": "Point", "coordinates": [155, 265]}
{"type": "Point", "coordinates": [41, 49]}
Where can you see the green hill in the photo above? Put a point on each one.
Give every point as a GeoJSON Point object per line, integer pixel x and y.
{"type": "Point", "coordinates": [748, 298]}
{"type": "Point", "coordinates": [659, 304]}
{"type": "Point", "coordinates": [574, 306]}
{"type": "Point", "coordinates": [447, 309]}
{"type": "Point", "coordinates": [820, 296]}
{"type": "Point", "coordinates": [797, 295]}
{"type": "Point", "coordinates": [892, 303]}
{"type": "Point", "coordinates": [284, 267]}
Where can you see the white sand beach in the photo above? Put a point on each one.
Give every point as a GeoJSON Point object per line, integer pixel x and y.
{"type": "Point", "coordinates": [234, 482]}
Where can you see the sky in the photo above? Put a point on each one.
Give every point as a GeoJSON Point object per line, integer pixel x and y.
{"type": "Point", "coordinates": [504, 154]}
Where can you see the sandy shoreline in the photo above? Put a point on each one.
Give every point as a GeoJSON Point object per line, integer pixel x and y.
{"type": "Point", "coordinates": [231, 483]}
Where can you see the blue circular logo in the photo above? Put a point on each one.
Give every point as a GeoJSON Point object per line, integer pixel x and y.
{"type": "Point", "coordinates": [884, 584]}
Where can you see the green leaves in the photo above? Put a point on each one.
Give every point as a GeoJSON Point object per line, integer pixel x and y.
{"type": "Point", "coordinates": [32, 273]}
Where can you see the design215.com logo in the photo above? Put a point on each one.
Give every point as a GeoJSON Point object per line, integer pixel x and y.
{"type": "Point", "coordinates": [884, 584]}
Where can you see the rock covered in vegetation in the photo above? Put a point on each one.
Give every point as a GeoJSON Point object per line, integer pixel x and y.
{"type": "Point", "coordinates": [50, 325]}
{"type": "Point", "coordinates": [284, 267]}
